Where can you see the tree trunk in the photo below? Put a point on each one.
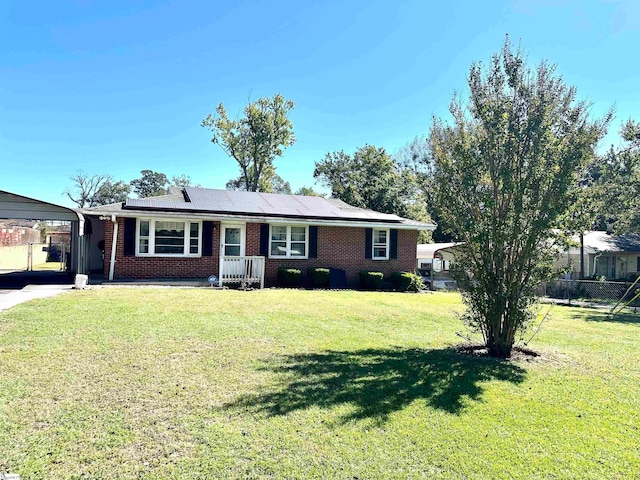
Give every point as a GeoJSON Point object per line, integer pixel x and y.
{"type": "Point", "coordinates": [500, 348]}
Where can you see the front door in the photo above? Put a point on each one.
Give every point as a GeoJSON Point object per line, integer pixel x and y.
{"type": "Point", "coordinates": [232, 240]}
{"type": "Point", "coordinates": [232, 244]}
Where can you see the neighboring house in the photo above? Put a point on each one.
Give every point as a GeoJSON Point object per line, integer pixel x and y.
{"type": "Point", "coordinates": [18, 232]}
{"type": "Point", "coordinates": [198, 232]}
{"type": "Point", "coordinates": [59, 234]}
{"type": "Point", "coordinates": [615, 257]}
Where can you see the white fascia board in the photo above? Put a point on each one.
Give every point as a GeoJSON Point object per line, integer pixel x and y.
{"type": "Point", "coordinates": [332, 223]}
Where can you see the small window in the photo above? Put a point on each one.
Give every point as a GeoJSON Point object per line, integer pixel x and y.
{"type": "Point", "coordinates": [288, 241]}
{"type": "Point", "coordinates": [143, 238]}
{"type": "Point", "coordinates": [278, 241]}
{"type": "Point", "coordinates": [380, 245]}
{"type": "Point", "coordinates": [194, 236]}
{"type": "Point", "coordinates": [298, 242]}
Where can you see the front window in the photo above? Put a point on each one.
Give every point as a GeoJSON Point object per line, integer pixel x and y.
{"type": "Point", "coordinates": [168, 238]}
{"type": "Point", "coordinates": [288, 241]}
{"type": "Point", "coordinates": [380, 244]}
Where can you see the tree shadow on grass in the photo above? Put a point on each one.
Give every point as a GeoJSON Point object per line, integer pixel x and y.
{"type": "Point", "coordinates": [378, 382]}
{"type": "Point", "coordinates": [604, 317]}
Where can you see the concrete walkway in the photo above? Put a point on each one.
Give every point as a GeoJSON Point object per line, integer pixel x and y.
{"type": "Point", "coordinates": [11, 298]}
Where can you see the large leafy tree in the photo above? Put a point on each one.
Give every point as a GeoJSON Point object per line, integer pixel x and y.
{"type": "Point", "coordinates": [613, 185]}
{"type": "Point", "coordinates": [150, 184]}
{"type": "Point", "coordinates": [271, 184]}
{"type": "Point", "coordinates": [113, 192]}
{"type": "Point", "coordinates": [182, 181]}
{"type": "Point", "coordinates": [415, 157]}
{"type": "Point", "coordinates": [308, 191]}
{"type": "Point", "coordinates": [371, 179]}
{"type": "Point", "coordinates": [255, 140]}
{"type": "Point", "coordinates": [99, 189]}
{"type": "Point", "coordinates": [504, 173]}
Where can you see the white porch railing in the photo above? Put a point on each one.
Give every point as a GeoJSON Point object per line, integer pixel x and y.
{"type": "Point", "coordinates": [242, 270]}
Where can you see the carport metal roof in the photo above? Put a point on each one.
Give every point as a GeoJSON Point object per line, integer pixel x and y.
{"type": "Point", "coordinates": [19, 207]}
{"type": "Point", "coordinates": [431, 250]}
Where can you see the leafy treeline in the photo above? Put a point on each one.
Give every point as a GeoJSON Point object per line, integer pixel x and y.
{"type": "Point", "coordinates": [101, 189]}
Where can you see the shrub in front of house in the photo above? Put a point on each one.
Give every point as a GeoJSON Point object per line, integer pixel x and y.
{"type": "Point", "coordinates": [406, 282]}
{"type": "Point", "coordinates": [370, 280]}
{"type": "Point", "coordinates": [289, 277]}
{"type": "Point", "coordinates": [318, 277]}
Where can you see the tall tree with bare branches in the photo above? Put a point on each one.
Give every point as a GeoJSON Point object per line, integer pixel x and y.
{"type": "Point", "coordinates": [92, 190]}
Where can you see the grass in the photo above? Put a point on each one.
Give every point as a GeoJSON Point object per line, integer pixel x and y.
{"type": "Point", "coordinates": [48, 266]}
{"type": "Point", "coordinates": [197, 383]}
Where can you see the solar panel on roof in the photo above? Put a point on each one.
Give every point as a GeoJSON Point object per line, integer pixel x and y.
{"type": "Point", "coordinates": [252, 203]}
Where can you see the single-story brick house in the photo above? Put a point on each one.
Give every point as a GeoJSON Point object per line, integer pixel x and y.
{"type": "Point", "coordinates": [199, 232]}
{"type": "Point", "coordinates": [615, 257]}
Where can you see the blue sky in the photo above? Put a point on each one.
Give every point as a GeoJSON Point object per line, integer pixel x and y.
{"type": "Point", "coordinates": [120, 86]}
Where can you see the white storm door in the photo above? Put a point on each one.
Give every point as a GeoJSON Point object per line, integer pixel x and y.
{"type": "Point", "coordinates": [232, 240]}
{"type": "Point", "coordinates": [232, 244]}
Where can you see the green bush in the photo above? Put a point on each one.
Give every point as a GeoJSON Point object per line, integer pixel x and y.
{"type": "Point", "coordinates": [318, 277]}
{"type": "Point", "coordinates": [406, 282]}
{"type": "Point", "coordinates": [289, 277]}
{"type": "Point", "coordinates": [370, 280]}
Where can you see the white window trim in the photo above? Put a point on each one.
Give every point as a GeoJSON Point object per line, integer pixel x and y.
{"type": "Point", "coordinates": [387, 245]}
{"type": "Point", "coordinates": [288, 241]}
{"type": "Point", "coordinates": [152, 238]}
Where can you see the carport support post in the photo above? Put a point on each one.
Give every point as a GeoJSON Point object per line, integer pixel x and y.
{"type": "Point", "coordinates": [114, 241]}
{"type": "Point", "coordinates": [433, 262]}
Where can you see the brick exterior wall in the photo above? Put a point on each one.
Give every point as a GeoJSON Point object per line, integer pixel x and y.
{"type": "Point", "coordinates": [343, 247]}
{"type": "Point", "coordinates": [338, 247]}
{"type": "Point", "coordinates": [158, 267]}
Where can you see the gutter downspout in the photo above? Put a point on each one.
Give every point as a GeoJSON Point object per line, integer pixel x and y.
{"type": "Point", "coordinates": [595, 265]}
{"type": "Point", "coordinates": [114, 242]}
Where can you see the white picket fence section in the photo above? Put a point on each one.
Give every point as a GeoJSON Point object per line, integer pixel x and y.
{"type": "Point", "coordinates": [242, 270]}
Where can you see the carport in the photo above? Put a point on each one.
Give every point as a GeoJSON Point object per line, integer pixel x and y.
{"type": "Point", "coordinates": [19, 207]}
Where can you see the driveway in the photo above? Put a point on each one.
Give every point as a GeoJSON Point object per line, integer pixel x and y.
{"type": "Point", "coordinates": [18, 279]}
{"type": "Point", "coordinates": [11, 298]}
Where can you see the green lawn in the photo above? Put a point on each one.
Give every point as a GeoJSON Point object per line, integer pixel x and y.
{"type": "Point", "coordinates": [49, 266]}
{"type": "Point", "coordinates": [198, 383]}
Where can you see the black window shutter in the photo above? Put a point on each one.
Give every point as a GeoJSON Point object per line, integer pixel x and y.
{"type": "Point", "coordinates": [368, 239]}
{"type": "Point", "coordinates": [129, 237]}
{"type": "Point", "coordinates": [313, 242]}
{"type": "Point", "coordinates": [264, 238]}
{"type": "Point", "coordinates": [207, 239]}
{"type": "Point", "coordinates": [393, 244]}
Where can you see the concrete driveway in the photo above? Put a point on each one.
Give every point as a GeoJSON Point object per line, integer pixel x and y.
{"type": "Point", "coordinates": [11, 298]}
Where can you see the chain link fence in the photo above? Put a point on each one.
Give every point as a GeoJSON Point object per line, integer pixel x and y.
{"type": "Point", "coordinates": [592, 291]}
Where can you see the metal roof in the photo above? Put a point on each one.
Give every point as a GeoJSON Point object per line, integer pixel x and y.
{"type": "Point", "coordinates": [234, 203]}
{"type": "Point", "coordinates": [14, 206]}
{"type": "Point", "coordinates": [597, 241]}
{"type": "Point", "coordinates": [429, 250]}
